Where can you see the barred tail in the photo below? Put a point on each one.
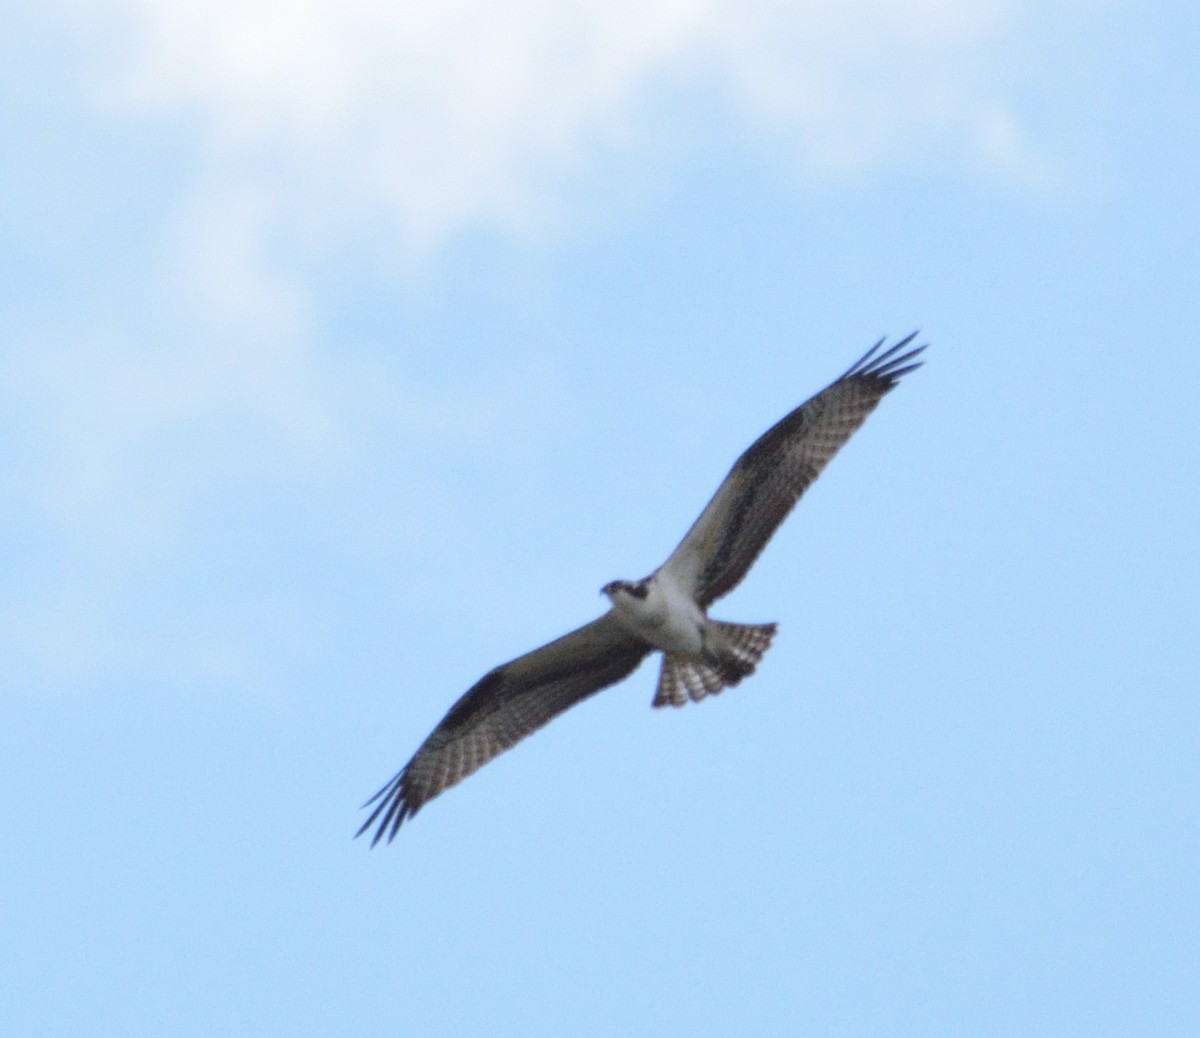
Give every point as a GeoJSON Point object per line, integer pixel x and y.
{"type": "Point", "coordinates": [731, 652]}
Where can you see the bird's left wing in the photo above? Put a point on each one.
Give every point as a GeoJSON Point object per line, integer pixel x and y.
{"type": "Point", "coordinates": [767, 480]}
{"type": "Point", "coordinates": [505, 705]}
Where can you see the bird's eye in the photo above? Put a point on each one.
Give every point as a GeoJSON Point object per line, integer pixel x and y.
{"type": "Point", "coordinates": [638, 590]}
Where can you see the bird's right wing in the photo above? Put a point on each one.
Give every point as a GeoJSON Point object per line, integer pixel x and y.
{"type": "Point", "coordinates": [505, 705]}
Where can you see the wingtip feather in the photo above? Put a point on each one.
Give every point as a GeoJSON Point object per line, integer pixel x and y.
{"type": "Point", "coordinates": [394, 806]}
{"type": "Point", "coordinates": [862, 361]}
{"type": "Point", "coordinates": [890, 365]}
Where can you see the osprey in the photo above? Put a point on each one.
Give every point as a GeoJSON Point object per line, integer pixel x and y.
{"type": "Point", "coordinates": [665, 612]}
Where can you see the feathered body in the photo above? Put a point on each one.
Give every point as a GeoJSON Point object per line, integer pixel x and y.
{"type": "Point", "coordinates": [666, 611]}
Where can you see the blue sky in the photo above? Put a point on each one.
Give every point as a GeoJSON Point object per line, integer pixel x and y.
{"type": "Point", "coordinates": [350, 348]}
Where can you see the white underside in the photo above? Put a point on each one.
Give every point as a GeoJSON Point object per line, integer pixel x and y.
{"type": "Point", "coordinates": [667, 617]}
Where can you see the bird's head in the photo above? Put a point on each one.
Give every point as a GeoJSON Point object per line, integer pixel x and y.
{"type": "Point", "coordinates": [635, 588]}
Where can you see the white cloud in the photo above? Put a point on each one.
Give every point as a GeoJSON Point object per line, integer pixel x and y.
{"type": "Point", "coordinates": [435, 115]}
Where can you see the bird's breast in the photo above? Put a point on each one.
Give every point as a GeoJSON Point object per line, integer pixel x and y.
{"type": "Point", "coordinates": [666, 618]}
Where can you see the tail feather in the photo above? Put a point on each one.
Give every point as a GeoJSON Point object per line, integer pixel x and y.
{"type": "Point", "coordinates": [731, 652]}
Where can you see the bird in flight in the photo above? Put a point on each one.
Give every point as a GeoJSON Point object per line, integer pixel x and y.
{"type": "Point", "coordinates": [665, 612]}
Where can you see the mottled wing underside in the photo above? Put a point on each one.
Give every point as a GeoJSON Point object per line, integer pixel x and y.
{"type": "Point", "coordinates": [768, 479]}
{"type": "Point", "coordinates": [505, 705]}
